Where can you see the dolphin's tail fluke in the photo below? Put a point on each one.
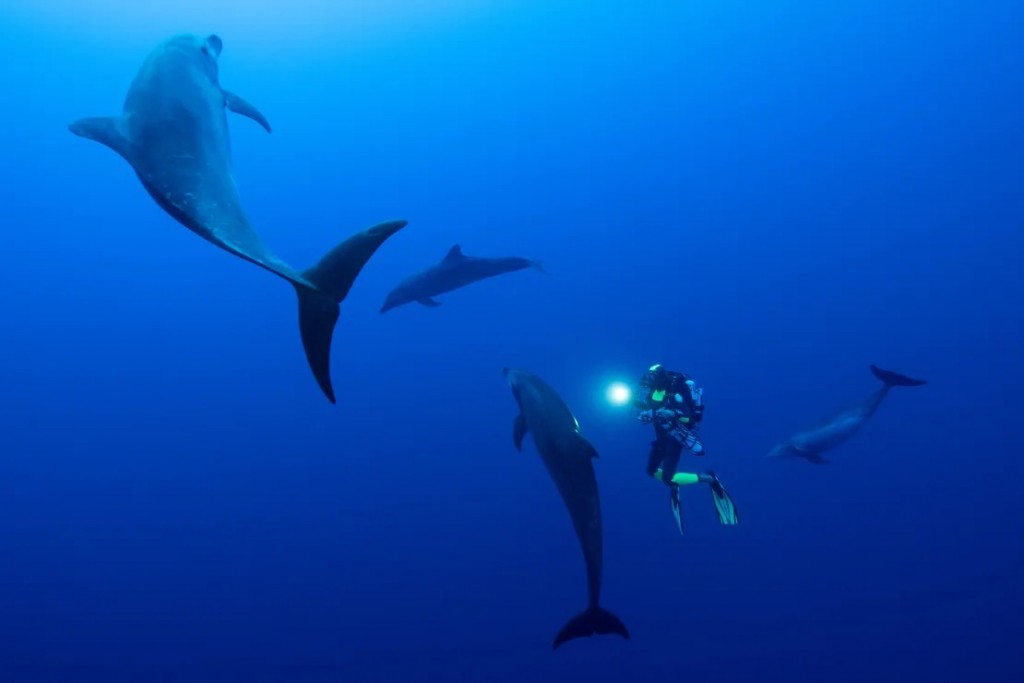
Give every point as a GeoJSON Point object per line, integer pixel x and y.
{"type": "Point", "coordinates": [539, 267]}
{"type": "Point", "coordinates": [893, 379]}
{"type": "Point", "coordinates": [331, 280]}
{"type": "Point", "coordinates": [594, 621]}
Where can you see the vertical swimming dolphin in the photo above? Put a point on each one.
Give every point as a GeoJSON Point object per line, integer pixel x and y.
{"type": "Point", "coordinates": [567, 457]}
{"type": "Point", "coordinates": [811, 443]}
{"type": "Point", "coordinates": [455, 270]}
{"type": "Point", "coordinates": [173, 131]}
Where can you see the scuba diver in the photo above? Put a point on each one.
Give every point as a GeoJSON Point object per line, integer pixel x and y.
{"type": "Point", "coordinates": [674, 404]}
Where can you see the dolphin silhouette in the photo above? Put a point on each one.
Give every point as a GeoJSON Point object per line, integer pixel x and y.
{"type": "Point", "coordinates": [173, 131]}
{"type": "Point", "coordinates": [455, 270]}
{"type": "Point", "coordinates": [811, 443]}
{"type": "Point", "coordinates": [567, 456]}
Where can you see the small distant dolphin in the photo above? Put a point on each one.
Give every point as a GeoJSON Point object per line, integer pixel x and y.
{"type": "Point", "coordinates": [174, 133]}
{"type": "Point", "coordinates": [811, 443]}
{"type": "Point", "coordinates": [567, 456]}
{"type": "Point", "coordinates": [455, 270]}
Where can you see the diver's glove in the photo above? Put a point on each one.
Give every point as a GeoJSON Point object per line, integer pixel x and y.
{"type": "Point", "coordinates": [645, 416]}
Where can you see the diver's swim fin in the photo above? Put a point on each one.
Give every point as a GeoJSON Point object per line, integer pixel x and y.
{"type": "Point", "coordinates": [724, 506]}
{"type": "Point", "coordinates": [673, 498]}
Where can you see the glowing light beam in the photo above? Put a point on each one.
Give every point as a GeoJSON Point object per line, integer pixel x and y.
{"type": "Point", "coordinates": [618, 393]}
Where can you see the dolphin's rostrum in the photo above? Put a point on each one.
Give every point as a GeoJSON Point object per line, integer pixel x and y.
{"type": "Point", "coordinates": [567, 457]}
{"type": "Point", "coordinates": [174, 133]}
{"type": "Point", "coordinates": [811, 443]}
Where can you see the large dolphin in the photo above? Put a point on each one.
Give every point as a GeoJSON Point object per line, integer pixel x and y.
{"type": "Point", "coordinates": [174, 132]}
{"type": "Point", "coordinates": [567, 456]}
{"type": "Point", "coordinates": [811, 443]}
{"type": "Point", "coordinates": [455, 270]}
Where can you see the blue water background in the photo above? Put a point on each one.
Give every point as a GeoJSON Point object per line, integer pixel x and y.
{"type": "Point", "coordinates": [768, 196]}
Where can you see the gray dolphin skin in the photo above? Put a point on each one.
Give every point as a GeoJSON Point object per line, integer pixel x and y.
{"type": "Point", "coordinates": [567, 457]}
{"type": "Point", "coordinates": [455, 270]}
{"type": "Point", "coordinates": [173, 131]}
{"type": "Point", "coordinates": [811, 443]}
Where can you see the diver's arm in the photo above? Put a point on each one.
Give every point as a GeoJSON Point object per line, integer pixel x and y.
{"type": "Point", "coordinates": [671, 416]}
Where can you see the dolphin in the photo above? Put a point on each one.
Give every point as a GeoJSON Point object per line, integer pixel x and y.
{"type": "Point", "coordinates": [811, 443]}
{"type": "Point", "coordinates": [173, 132]}
{"type": "Point", "coordinates": [455, 270]}
{"type": "Point", "coordinates": [567, 456]}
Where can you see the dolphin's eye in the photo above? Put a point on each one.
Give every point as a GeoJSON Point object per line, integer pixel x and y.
{"type": "Point", "coordinates": [205, 50]}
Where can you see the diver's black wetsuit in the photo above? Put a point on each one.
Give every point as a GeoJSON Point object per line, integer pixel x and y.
{"type": "Point", "coordinates": [675, 411]}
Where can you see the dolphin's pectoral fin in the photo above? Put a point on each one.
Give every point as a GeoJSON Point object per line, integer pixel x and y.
{"type": "Point", "coordinates": [519, 431]}
{"type": "Point", "coordinates": [427, 301]}
{"type": "Point", "coordinates": [587, 448]}
{"type": "Point", "coordinates": [103, 129]}
{"type": "Point", "coordinates": [811, 456]}
{"type": "Point", "coordinates": [240, 106]}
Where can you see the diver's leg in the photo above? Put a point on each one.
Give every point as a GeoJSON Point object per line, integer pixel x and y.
{"type": "Point", "coordinates": [672, 451]}
{"type": "Point", "coordinates": [654, 459]}
{"type": "Point", "coordinates": [683, 478]}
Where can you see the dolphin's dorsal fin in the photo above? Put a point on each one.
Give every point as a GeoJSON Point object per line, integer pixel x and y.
{"type": "Point", "coordinates": [240, 106]}
{"type": "Point", "coordinates": [427, 301]}
{"type": "Point", "coordinates": [454, 254]}
{"type": "Point", "coordinates": [519, 431]}
{"type": "Point", "coordinates": [105, 130]}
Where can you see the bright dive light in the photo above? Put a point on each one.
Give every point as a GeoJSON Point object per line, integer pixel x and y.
{"type": "Point", "coordinates": [618, 394]}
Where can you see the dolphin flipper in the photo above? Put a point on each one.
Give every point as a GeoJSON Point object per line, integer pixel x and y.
{"type": "Point", "coordinates": [519, 431]}
{"type": "Point", "coordinates": [240, 106]}
{"type": "Point", "coordinates": [332, 278]}
{"type": "Point", "coordinates": [427, 301]}
{"type": "Point", "coordinates": [596, 620]}
{"type": "Point", "coordinates": [105, 130]}
{"type": "Point", "coordinates": [585, 447]}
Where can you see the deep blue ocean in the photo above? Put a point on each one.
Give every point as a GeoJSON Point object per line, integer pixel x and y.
{"type": "Point", "coordinates": [767, 196]}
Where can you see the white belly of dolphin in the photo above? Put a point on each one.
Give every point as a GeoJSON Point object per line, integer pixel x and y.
{"type": "Point", "coordinates": [829, 435]}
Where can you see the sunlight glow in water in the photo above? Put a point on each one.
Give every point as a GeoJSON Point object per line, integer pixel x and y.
{"type": "Point", "coordinates": [271, 23]}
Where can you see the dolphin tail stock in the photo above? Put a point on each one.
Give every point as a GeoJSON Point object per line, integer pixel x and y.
{"type": "Point", "coordinates": [595, 621]}
{"type": "Point", "coordinates": [325, 286]}
{"type": "Point", "coordinates": [894, 379]}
